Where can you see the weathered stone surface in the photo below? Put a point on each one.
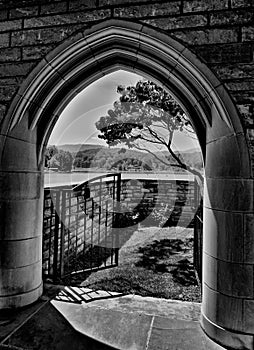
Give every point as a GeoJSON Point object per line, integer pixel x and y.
{"type": "Point", "coordinates": [207, 36]}
{"type": "Point", "coordinates": [248, 238]}
{"type": "Point", "coordinates": [43, 35]}
{"type": "Point", "coordinates": [7, 92]}
{"type": "Point", "coordinates": [117, 2]}
{"type": "Point", "coordinates": [203, 5]}
{"type": "Point", "coordinates": [229, 194]}
{"type": "Point", "coordinates": [248, 34]}
{"type": "Point", "coordinates": [224, 235]}
{"type": "Point", "coordinates": [71, 18]}
{"type": "Point", "coordinates": [15, 69]}
{"type": "Point", "coordinates": [148, 10]}
{"type": "Point", "coordinates": [52, 8]}
{"type": "Point", "coordinates": [178, 22]}
{"type": "Point", "coordinates": [35, 52]}
{"type": "Point", "coordinates": [241, 3]}
{"type": "Point", "coordinates": [4, 40]}
{"type": "Point", "coordinates": [24, 11]}
{"type": "Point", "coordinates": [10, 25]}
{"type": "Point", "coordinates": [80, 5]}
{"type": "Point", "coordinates": [233, 53]}
{"type": "Point", "coordinates": [215, 307]}
{"type": "Point", "coordinates": [3, 14]}
{"type": "Point", "coordinates": [241, 85]}
{"type": "Point", "coordinates": [10, 54]}
{"type": "Point", "coordinates": [232, 17]}
{"type": "Point", "coordinates": [234, 71]}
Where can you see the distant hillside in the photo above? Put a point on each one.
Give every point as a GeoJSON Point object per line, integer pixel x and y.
{"type": "Point", "coordinates": [74, 148]}
{"type": "Point", "coordinates": [102, 157]}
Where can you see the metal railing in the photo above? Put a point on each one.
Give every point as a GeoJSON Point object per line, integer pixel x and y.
{"type": "Point", "coordinates": [78, 227]}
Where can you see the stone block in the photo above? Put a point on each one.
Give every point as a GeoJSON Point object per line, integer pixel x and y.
{"type": "Point", "coordinates": [223, 237]}
{"type": "Point", "coordinates": [240, 85]}
{"type": "Point", "coordinates": [47, 9]}
{"type": "Point", "coordinates": [12, 224]}
{"type": "Point", "coordinates": [246, 111]}
{"type": "Point", "coordinates": [203, 5]}
{"type": "Point", "coordinates": [219, 152]}
{"type": "Point", "coordinates": [207, 36]}
{"type": "Point", "coordinates": [231, 17]}
{"type": "Point", "coordinates": [3, 15]}
{"type": "Point", "coordinates": [10, 54]}
{"type": "Point", "coordinates": [210, 271]}
{"type": "Point", "coordinates": [3, 109]}
{"type": "Point", "coordinates": [80, 5]}
{"type": "Point", "coordinates": [234, 71]}
{"type": "Point", "coordinates": [20, 12]}
{"type": "Point", "coordinates": [20, 300]}
{"type": "Point", "coordinates": [70, 18]}
{"type": "Point", "coordinates": [235, 280]}
{"type": "Point", "coordinates": [10, 25]}
{"type": "Point", "coordinates": [229, 194]}
{"type": "Point", "coordinates": [15, 69]}
{"type": "Point", "coordinates": [7, 92]}
{"type": "Point", "coordinates": [178, 22]}
{"type": "Point", "coordinates": [247, 33]}
{"type": "Point", "coordinates": [241, 3]}
{"type": "Point", "coordinates": [20, 280]}
{"type": "Point", "coordinates": [19, 155]}
{"type": "Point", "coordinates": [4, 40]}
{"type": "Point", "coordinates": [117, 2]}
{"type": "Point", "coordinates": [222, 310]}
{"type": "Point", "coordinates": [249, 238]}
{"type": "Point", "coordinates": [36, 52]}
{"type": "Point", "coordinates": [157, 9]}
{"type": "Point", "coordinates": [16, 254]}
{"type": "Point", "coordinates": [233, 53]}
{"type": "Point", "coordinates": [230, 340]}
{"type": "Point", "coordinates": [20, 185]}
{"type": "Point", "coordinates": [248, 319]}
{"type": "Point", "coordinates": [184, 335]}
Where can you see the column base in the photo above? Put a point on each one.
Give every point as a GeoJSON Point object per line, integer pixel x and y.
{"type": "Point", "coordinates": [20, 300]}
{"type": "Point", "coordinates": [225, 338]}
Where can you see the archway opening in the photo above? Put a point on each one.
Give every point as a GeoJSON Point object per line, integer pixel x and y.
{"type": "Point", "coordinates": [159, 192]}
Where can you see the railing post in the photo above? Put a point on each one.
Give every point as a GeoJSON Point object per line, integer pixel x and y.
{"type": "Point", "coordinates": [56, 235]}
{"type": "Point", "coordinates": [116, 217]}
{"type": "Point", "coordinates": [62, 232]}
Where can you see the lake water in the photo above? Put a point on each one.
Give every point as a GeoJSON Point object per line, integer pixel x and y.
{"type": "Point", "coordinates": [54, 179]}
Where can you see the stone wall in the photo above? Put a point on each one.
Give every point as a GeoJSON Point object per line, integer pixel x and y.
{"type": "Point", "coordinates": [81, 222]}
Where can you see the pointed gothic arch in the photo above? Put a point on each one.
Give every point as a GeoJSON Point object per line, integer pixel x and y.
{"type": "Point", "coordinates": [69, 68]}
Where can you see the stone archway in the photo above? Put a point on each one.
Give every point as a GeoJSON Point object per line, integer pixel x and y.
{"type": "Point", "coordinates": [105, 47]}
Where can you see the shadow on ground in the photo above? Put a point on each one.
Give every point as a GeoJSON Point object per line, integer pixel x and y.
{"type": "Point", "coordinates": [47, 329]}
{"type": "Point", "coordinates": [164, 256]}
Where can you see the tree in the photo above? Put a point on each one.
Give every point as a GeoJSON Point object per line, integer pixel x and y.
{"type": "Point", "coordinates": [50, 152]}
{"type": "Point", "coordinates": [146, 115]}
{"type": "Point", "coordinates": [62, 160]}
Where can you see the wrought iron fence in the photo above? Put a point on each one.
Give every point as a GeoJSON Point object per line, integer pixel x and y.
{"type": "Point", "coordinates": [78, 227]}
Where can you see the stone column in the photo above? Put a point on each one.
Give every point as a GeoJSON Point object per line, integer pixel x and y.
{"type": "Point", "coordinates": [21, 210]}
{"type": "Point", "coordinates": [228, 254]}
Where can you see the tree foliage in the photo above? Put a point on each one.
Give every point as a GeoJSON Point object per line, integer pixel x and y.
{"type": "Point", "coordinates": [146, 117]}
{"type": "Point", "coordinates": [62, 160]}
{"type": "Point", "coordinates": [49, 153]}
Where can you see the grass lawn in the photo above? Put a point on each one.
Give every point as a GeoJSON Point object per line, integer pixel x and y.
{"type": "Point", "coordinates": [153, 262]}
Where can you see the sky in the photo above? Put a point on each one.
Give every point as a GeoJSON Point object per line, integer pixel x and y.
{"type": "Point", "coordinates": [76, 124]}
